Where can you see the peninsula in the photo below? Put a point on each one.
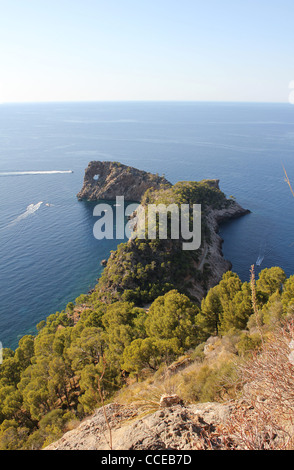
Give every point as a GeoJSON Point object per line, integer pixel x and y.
{"type": "Point", "coordinates": [140, 270]}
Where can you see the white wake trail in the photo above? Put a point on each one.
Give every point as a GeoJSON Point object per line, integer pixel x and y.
{"type": "Point", "coordinates": [22, 173]}
{"type": "Point", "coordinates": [29, 211]}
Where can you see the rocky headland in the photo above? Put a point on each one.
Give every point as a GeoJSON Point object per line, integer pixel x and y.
{"type": "Point", "coordinates": [212, 254]}
{"type": "Point", "coordinates": [157, 267]}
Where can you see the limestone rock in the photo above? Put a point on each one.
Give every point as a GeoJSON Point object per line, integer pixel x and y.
{"type": "Point", "coordinates": [107, 180]}
{"type": "Point", "coordinates": [169, 400]}
{"type": "Point", "coordinates": [212, 258]}
{"type": "Point", "coordinates": [193, 427]}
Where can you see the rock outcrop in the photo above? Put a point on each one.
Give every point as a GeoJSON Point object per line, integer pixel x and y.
{"type": "Point", "coordinates": [107, 180]}
{"type": "Point", "coordinates": [212, 258]}
{"type": "Point", "coordinates": [192, 427]}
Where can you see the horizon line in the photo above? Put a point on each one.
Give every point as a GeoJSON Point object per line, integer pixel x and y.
{"type": "Point", "coordinates": [141, 101]}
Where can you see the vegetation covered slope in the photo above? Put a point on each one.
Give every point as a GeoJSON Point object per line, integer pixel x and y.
{"type": "Point", "coordinates": [142, 269]}
{"type": "Point", "coordinates": [51, 380]}
{"type": "Point", "coordinates": [108, 339]}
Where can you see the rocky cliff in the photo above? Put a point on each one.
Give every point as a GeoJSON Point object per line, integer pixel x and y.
{"type": "Point", "coordinates": [106, 180]}
{"type": "Point", "coordinates": [212, 260]}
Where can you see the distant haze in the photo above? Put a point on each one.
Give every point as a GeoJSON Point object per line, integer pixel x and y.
{"type": "Point", "coordinates": [188, 50]}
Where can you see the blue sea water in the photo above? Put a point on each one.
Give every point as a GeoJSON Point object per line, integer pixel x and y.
{"type": "Point", "coordinates": [48, 254]}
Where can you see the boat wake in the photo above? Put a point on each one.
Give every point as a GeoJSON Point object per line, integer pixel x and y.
{"type": "Point", "coordinates": [259, 260]}
{"type": "Point", "coordinates": [263, 252]}
{"type": "Point", "coordinates": [23, 173]}
{"type": "Point", "coordinates": [31, 209]}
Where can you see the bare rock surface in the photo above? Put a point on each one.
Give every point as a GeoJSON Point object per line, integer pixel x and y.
{"type": "Point", "coordinates": [192, 427]}
{"type": "Point", "coordinates": [107, 180]}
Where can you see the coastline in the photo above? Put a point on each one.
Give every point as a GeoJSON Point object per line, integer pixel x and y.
{"type": "Point", "coordinates": [212, 255]}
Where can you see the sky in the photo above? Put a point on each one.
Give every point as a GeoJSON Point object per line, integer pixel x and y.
{"type": "Point", "coordinates": [146, 50]}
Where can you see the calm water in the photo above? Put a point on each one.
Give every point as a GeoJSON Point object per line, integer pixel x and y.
{"type": "Point", "coordinates": [48, 253]}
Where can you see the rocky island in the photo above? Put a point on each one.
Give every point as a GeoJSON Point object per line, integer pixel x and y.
{"type": "Point", "coordinates": [106, 180]}
{"type": "Point", "coordinates": [141, 270]}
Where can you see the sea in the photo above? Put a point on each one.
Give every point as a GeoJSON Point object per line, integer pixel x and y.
{"type": "Point", "coordinates": [48, 253]}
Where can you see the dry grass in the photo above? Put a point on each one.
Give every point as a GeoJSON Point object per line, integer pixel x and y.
{"type": "Point", "coordinates": [145, 396]}
{"type": "Point", "coordinates": [197, 382]}
{"type": "Point", "coordinates": [265, 418]}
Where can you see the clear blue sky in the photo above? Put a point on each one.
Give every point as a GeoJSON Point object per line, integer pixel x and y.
{"type": "Point", "coordinates": [84, 50]}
